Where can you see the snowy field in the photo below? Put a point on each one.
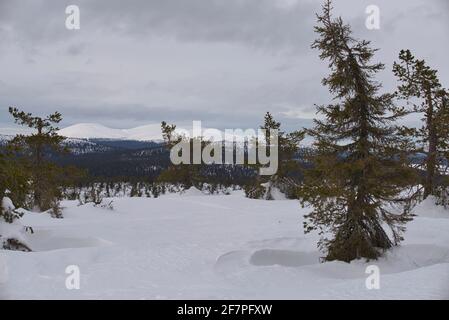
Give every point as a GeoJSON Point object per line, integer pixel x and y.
{"type": "Point", "coordinates": [195, 246]}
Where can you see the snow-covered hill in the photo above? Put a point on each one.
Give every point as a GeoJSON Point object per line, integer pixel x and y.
{"type": "Point", "coordinates": [149, 132]}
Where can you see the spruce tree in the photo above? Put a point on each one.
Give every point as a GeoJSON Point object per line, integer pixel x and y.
{"type": "Point", "coordinates": [420, 86]}
{"type": "Point", "coordinates": [36, 146]}
{"type": "Point", "coordinates": [358, 171]}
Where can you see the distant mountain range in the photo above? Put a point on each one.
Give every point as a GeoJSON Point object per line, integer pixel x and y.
{"type": "Point", "coordinates": [150, 132]}
{"type": "Point", "coordinates": [136, 153]}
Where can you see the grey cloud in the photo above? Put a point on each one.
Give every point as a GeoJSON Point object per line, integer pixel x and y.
{"type": "Point", "coordinates": [260, 23]}
{"type": "Point", "coordinates": [225, 62]}
{"type": "Point", "coordinates": [76, 49]}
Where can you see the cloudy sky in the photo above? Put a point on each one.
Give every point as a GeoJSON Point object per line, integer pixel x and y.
{"type": "Point", "coordinates": [224, 62]}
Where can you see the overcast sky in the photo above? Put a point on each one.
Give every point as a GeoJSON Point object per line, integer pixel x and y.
{"type": "Point", "coordinates": [225, 62]}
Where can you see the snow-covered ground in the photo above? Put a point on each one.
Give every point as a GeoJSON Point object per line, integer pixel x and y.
{"type": "Point", "coordinates": [196, 246]}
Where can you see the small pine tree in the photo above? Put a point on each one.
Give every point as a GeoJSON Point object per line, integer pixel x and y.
{"type": "Point", "coordinates": [134, 190]}
{"type": "Point", "coordinates": [13, 185]}
{"type": "Point", "coordinates": [108, 190]}
{"type": "Point", "coordinates": [187, 175]}
{"type": "Point", "coordinates": [155, 190]}
{"type": "Point", "coordinates": [93, 196]}
{"type": "Point", "coordinates": [168, 134]}
{"type": "Point", "coordinates": [288, 167]}
{"type": "Point", "coordinates": [358, 171]}
{"type": "Point", "coordinates": [420, 86]}
{"type": "Point", "coordinates": [14, 176]}
{"type": "Point", "coordinates": [44, 174]}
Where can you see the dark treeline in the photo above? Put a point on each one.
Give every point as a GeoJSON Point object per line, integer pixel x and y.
{"type": "Point", "coordinates": [144, 165]}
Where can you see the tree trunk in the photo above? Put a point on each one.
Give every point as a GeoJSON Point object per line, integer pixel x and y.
{"type": "Point", "coordinates": [431, 160]}
{"type": "Point", "coordinates": [38, 172]}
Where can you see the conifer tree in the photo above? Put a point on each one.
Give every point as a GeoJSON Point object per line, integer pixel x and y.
{"type": "Point", "coordinates": [420, 86]}
{"type": "Point", "coordinates": [288, 146]}
{"type": "Point", "coordinates": [134, 190]}
{"type": "Point", "coordinates": [169, 134]}
{"type": "Point", "coordinates": [358, 170]}
{"type": "Point", "coordinates": [13, 190]}
{"type": "Point", "coordinates": [44, 174]}
{"type": "Point", "coordinates": [186, 174]}
{"type": "Point", "coordinates": [14, 177]}
{"type": "Point", "coordinates": [6, 179]}
{"type": "Point", "coordinates": [288, 168]}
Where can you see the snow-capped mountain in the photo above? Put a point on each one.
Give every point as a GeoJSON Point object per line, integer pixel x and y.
{"type": "Point", "coordinates": [146, 133]}
{"type": "Point", "coordinates": [151, 132]}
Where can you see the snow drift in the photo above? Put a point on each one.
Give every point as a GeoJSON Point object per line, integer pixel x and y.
{"type": "Point", "coordinates": [197, 246]}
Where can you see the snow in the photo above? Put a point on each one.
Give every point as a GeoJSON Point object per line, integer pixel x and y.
{"type": "Point", "coordinates": [427, 208]}
{"type": "Point", "coordinates": [150, 132]}
{"type": "Point", "coordinates": [272, 192]}
{"type": "Point", "coordinates": [7, 204]}
{"type": "Point", "coordinates": [192, 191]}
{"type": "Point", "coordinates": [196, 246]}
{"type": "Point", "coordinates": [95, 130]}
{"type": "Point", "coordinates": [14, 230]}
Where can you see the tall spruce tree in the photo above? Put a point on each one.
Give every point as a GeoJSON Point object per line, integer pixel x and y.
{"type": "Point", "coordinates": [35, 146]}
{"type": "Point", "coordinates": [420, 86]}
{"type": "Point", "coordinates": [358, 172]}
